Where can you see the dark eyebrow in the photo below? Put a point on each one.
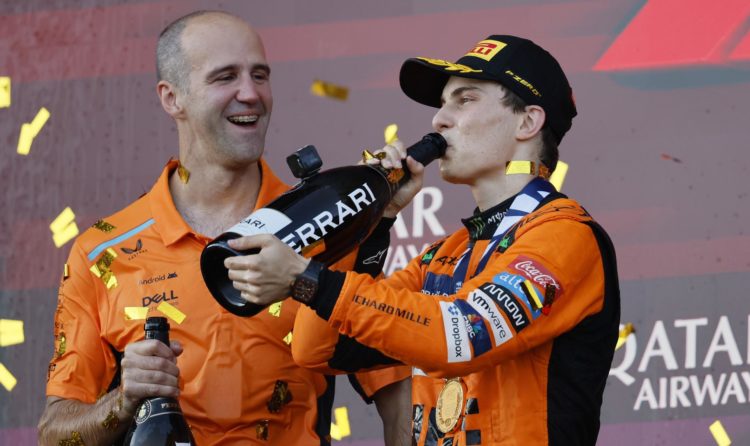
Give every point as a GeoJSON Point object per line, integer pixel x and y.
{"type": "Point", "coordinates": [233, 67]}
{"type": "Point", "coordinates": [458, 92]}
{"type": "Point", "coordinates": [263, 67]}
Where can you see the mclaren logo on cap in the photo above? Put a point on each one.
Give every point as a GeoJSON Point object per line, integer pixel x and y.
{"type": "Point", "coordinates": [449, 66]}
{"type": "Point", "coordinates": [486, 49]}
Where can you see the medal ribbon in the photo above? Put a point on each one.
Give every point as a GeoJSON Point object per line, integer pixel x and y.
{"type": "Point", "coordinates": [525, 202]}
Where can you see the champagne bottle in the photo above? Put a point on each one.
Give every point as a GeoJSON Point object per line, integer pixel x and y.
{"type": "Point", "coordinates": [323, 217]}
{"type": "Point", "coordinates": [159, 421]}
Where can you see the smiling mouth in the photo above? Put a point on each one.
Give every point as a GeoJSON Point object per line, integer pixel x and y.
{"type": "Point", "coordinates": [244, 121]}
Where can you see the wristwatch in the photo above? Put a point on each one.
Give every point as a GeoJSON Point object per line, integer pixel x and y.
{"type": "Point", "coordinates": [305, 286]}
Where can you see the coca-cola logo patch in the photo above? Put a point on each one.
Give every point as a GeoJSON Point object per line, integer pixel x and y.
{"type": "Point", "coordinates": [536, 272]}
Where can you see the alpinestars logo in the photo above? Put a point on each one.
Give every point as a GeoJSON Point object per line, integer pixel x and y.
{"type": "Point", "coordinates": [375, 258]}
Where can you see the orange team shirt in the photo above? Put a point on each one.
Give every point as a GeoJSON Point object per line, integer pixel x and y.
{"type": "Point", "coordinates": [230, 364]}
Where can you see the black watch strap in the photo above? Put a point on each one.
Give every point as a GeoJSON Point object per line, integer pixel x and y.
{"type": "Point", "coordinates": [305, 286]}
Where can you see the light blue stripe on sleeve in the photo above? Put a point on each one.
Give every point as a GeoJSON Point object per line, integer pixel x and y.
{"type": "Point", "coordinates": [98, 250]}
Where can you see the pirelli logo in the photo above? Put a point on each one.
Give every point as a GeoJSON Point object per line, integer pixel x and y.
{"type": "Point", "coordinates": [486, 49]}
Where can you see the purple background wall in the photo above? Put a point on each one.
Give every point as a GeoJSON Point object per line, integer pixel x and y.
{"type": "Point", "coordinates": [654, 80]}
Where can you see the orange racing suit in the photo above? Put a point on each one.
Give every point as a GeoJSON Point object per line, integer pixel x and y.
{"type": "Point", "coordinates": [530, 333]}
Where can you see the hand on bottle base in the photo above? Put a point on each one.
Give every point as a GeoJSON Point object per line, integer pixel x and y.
{"type": "Point", "coordinates": [265, 277]}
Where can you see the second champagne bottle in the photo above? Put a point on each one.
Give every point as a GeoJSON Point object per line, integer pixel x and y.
{"type": "Point", "coordinates": [324, 217]}
{"type": "Point", "coordinates": [159, 421]}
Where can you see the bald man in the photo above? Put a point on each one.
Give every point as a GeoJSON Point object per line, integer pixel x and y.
{"type": "Point", "coordinates": [234, 377]}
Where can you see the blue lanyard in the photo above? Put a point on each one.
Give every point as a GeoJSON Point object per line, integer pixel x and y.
{"type": "Point", "coordinates": [525, 202]}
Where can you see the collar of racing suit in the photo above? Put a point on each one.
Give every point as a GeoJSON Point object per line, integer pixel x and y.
{"type": "Point", "coordinates": [482, 224]}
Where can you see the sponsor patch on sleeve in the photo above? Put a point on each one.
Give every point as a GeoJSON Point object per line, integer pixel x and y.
{"type": "Point", "coordinates": [437, 284]}
{"type": "Point", "coordinates": [508, 303]}
{"type": "Point", "coordinates": [531, 292]}
{"type": "Point", "coordinates": [456, 337]}
{"type": "Point", "coordinates": [513, 283]}
{"type": "Point", "coordinates": [430, 253]}
{"type": "Point", "coordinates": [536, 272]}
{"type": "Point", "coordinates": [475, 327]}
{"type": "Point", "coordinates": [484, 305]}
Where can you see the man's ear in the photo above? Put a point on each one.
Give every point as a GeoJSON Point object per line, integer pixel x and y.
{"type": "Point", "coordinates": [531, 123]}
{"type": "Point", "coordinates": [170, 99]}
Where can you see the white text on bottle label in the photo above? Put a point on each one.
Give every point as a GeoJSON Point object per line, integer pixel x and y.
{"type": "Point", "coordinates": [308, 233]}
{"type": "Point", "coordinates": [262, 221]}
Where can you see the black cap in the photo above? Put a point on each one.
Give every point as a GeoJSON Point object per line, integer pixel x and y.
{"type": "Point", "coordinates": [520, 65]}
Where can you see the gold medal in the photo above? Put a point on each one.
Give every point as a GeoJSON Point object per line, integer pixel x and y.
{"type": "Point", "coordinates": [449, 405]}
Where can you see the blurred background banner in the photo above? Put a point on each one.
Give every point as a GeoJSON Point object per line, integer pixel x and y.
{"type": "Point", "coordinates": [659, 154]}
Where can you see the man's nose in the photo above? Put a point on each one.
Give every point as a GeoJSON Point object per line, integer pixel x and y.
{"type": "Point", "coordinates": [248, 90]}
{"type": "Point", "coordinates": [441, 121]}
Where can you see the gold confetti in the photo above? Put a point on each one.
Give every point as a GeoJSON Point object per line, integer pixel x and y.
{"type": "Point", "coordinates": [171, 312]}
{"type": "Point", "coordinates": [109, 279]}
{"type": "Point", "coordinates": [102, 270]}
{"type": "Point", "coordinates": [7, 379]}
{"type": "Point", "coordinates": [280, 397]}
{"type": "Point", "coordinates": [75, 440]}
{"type": "Point", "coordinates": [135, 313]}
{"type": "Point", "coordinates": [329, 90]}
{"type": "Point", "coordinates": [39, 120]}
{"type": "Point", "coordinates": [62, 345]}
{"type": "Point", "coordinates": [623, 336]}
{"type": "Point", "coordinates": [11, 332]}
{"type": "Point", "coordinates": [104, 263]}
{"type": "Point", "coordinates": [720, 435]}
{"type": "Point", "coordinates": [288, 338]}
{"type": "Point", "coordinates": [391, 133]}
{"type": "Point", "coordinates": [261, 430]}
{"type": "Point", "coordinates": [4, 91]}
{"type": "Point", "coordinates": [518, 167]}
{"type": "Point", "coordinates": [31, 130]}
{"type": "Point", "coordinates": [340, 427]}
{"type": "Point", "coordinates": [103, 226]}
{"type": "Point", "coordinates": [25, 138]}
{"type": "Point", "coordinates": [62, 220]}
{"type": "Point", "coordinates": [66, 271]}
{"type": "Point", "coordinates": [51, 368]}
{"type": "Point", "coordinates": [515, 167]}
{"type": "Point", "coordinates": [558, 176]}
{"type": "Point", "coordinates": [531, 292]}
{"type": "Point", "coordinates": [64, 227]}
{"type": "Point", "coordinates": [183, 173]}
{"type": "Point", "coordinates": [275, 309]}
{"type": "Point", "coordinates": [111, 421]}
{"type": "Point", "coordinates": [367, 155]}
